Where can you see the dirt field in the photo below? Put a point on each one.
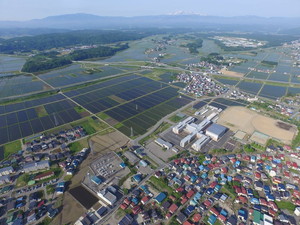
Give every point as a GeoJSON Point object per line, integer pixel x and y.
{"type": "Point", "coordinates": [240, 118]}
{"type": "Point", "coordinates": [111, 141]}
{"type": "Point", "coordinates": [72, 210]}
{"type": "Point", "coordinates": [231, 73]}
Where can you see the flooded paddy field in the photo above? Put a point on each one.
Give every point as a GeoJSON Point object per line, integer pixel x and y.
{"type": "Point", "coordinates": [84, 197]}
{"type": "Point", "coordinates": [11, 63]}
{"type": "Point", "coordinates": [272, 92]}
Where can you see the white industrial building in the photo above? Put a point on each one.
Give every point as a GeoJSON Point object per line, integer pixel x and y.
{"type": "Point", "coordinates": [216, 131]}
{"type": "Point", "coordinates": [181, 125]}
{"type": "Point", "coordinates": [6, 170]}
{"type": "Point", "coordinates": [107, 196]}
{"type": "Point", "coordinates": [188, 139]}
{"type": "Point", "coordinates": [163, 143]}
{"type": "Point", "coordinates": [199, 144]}
{"type": "Point", "coordinates": [34, 166]}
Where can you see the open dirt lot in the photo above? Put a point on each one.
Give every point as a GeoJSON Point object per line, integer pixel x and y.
{"type": "Point", "coordinates": [72, 210]}
{"type": "Point", "coordinates": [240, 118]}
{"type": "Point", "coordinates": [111, 141]}
{"type": "Point", "coordinates": [231, 73]}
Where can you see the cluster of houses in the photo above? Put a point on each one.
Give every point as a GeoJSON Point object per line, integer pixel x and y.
{"type": "Point", "coordinates": [37, 208]}
{"type": "Point", "coordinates": [71, 163]}
{"type": "Point", "coordinates": [207, 189]}
{"type": "Point", "coordinates": [200, 84]}
{"type": "Point", "coordinates": [52, 141]}
{"type": "Point", "coordinates": [38, 156]}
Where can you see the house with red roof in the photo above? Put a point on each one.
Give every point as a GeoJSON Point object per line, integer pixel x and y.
{"type": "Point", "coordinates": [222, 218]}
{"type": "Point", "coordinates": [187, 223]}
{"type": "Point", "coordinates": [190, 194]}
{"type": "Point", "coordinates": [168, 215]}
{"type": "Point", "coordinates": [124, 206]}
{"type": "Point", "coordinates": [145, 200]}
{"type": "Point", "coordinates": [214, 211]}
{"type": "Point", "coordinates": [136, 210]}
{"type": "Point", "coordinates": [257, 175]}
{"type": "Point", "coordinates": [207, 203]}
{"type": "Point", "coordinates": [263, 201]}
{"type": "Point", "coordinates": [173, 208]}
{"type": "Point", "coordinates": [241, 199]}
{"type": "Point", "coordinates": [197, 217]}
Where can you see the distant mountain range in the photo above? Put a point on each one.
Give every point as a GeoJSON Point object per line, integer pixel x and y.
{"type": "Point", "coordinates": [88, 21]}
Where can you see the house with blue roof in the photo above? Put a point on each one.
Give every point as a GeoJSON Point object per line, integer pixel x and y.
{"type": "Point", "coordinates": [96, 180]}
{"type": "Point", "coordinates": [201, 167]}
{"type": "Point", "coordinates": [224, 212]}
{"type": "Point", "coordinates": [189, 210]}
{"type": "Point", "coordinates": [243, 214]}
{"type": "Point", "coordinates": [159, 198]}
{"type": "Point", "coordinates": [197, 196]}
{"type": "Point", "coordinates": [237, 164]}
{"type": "Point", "coordinates": [212, 219]}
{"type": "Point", "coordinates": [281, 187]}
{"type": "Point", "coordinates": [193, 178]}
{"type": "Point", "coordinates": [270, 197]}
{"type": "Point", "coordinates": [254, 201]}
{"type": "Point", "coordinates": [137, 178]}
{"type": "Point", "coordinates": [204, 175]}
{"type": "Point", "coordinates": [217, 188]}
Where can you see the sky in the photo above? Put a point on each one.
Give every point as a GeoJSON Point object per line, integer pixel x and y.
{"type": "Point", "coordinates": [20, 10]}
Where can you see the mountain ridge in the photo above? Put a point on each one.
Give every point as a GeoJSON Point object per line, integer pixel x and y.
{"type": "Point", "coordinates": [90, 21]}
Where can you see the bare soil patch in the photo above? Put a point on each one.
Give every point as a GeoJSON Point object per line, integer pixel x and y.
{"type": "Point", "coordinates": [240, 118]}
{"type": "Point", "coordinates": [231, 73]}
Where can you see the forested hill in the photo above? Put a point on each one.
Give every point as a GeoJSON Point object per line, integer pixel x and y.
{"type": "Point", "coordinates": [49, 41]}
{"type": "Point", "coordinates": [52, 60]}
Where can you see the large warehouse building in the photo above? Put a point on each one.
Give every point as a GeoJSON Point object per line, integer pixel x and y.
{"type": "Point", "coordinates": [216, 131]}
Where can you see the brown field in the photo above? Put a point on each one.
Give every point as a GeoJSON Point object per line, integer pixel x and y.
{"type": "Point", "coordinates": [240, 118]}
{"type": "Point", "coordinates": [231, 73]}
{"type": "Point", "coordinates": [72, 209]}
{"type": "Point", "coordinates": [111, 141]}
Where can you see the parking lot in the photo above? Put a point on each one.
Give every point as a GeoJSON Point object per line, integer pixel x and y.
{"type": "Point", "coordinates": [107, 165]}
{"type": "Point", "coordinates": [218, 144]}
{"type": "Point", "coordinates": [107, 168]}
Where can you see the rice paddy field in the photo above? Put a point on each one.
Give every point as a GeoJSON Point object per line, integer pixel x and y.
{"type": "Point", "coordinates": [11, 63]}
{"type": "Point", "coordinates": [26, 118]}
{"type": "Point", "coordinates": [75, 74]}
{"type": "Point", "coordinates": [130, 102]}
{"type": "Point", "coordinates": [14, 85]}
{"type": "Point", "coordinates": [272, 92]}
{"type": "Point", "coordinates": [273, 80]}
{"type": "Point", "coordinates": [126, 101]}
{"type": "Point", "coordinates": [250, 87]}
{"type": "Point", "coordinates": [136, 52]}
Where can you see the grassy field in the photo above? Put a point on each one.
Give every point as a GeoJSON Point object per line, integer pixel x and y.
{"type": "Point", "coordinates": [12, 148]}
{"type": "Point", "coordinates": [79, 145]}
{"type": "Point", "coordinates": [79, 109]}
{"type": "Point", "coordinates": [285, 205]}
{"type": "Point", "coordinates": [90, 125]}
{"type": "Point", "coordinates": [41, 111]}
{"type": "Point", "coordinates": [175, 118]}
